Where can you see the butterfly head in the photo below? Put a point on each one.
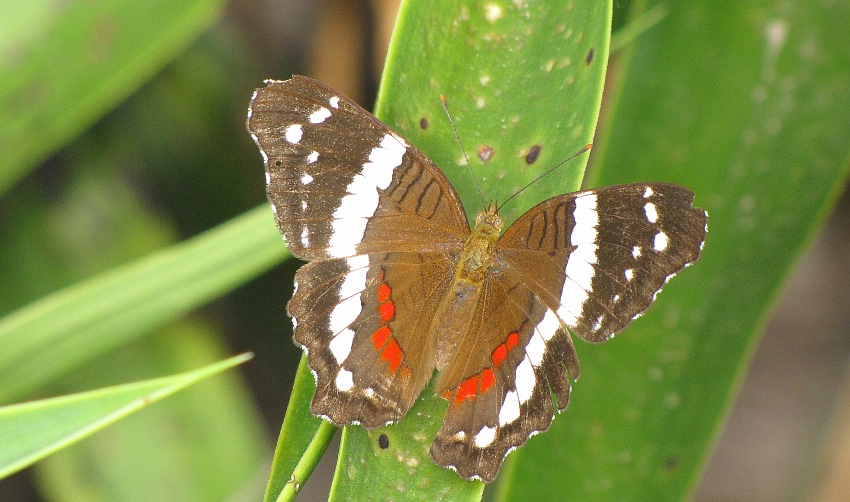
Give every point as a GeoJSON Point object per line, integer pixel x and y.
{"type": "Point", "coordinates": [489, 222]}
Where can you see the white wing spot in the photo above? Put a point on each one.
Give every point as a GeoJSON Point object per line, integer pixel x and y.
{"type": "Point", "coordinates": [340, 345]}
{"type": "Point", "coordinates": [303, 205]}
{"type": "Point", "coordinates": [651, 212]}
{"type": "Point", "coordinates": [636, 251]}
{"type": "Point", "coordinates": [536, 347]}
{"type": "Point", "coordinates": [659, 243]}
{"type": "Point", "coordinates": [510, 409]}
{"type": "Point", "coordinates": [306, 179]}
{"type": "Point", "coordinates": [268, 178]}
{"type": "Point", "coordinates": [305, 236]}
{"type": "Point", "coordinates": [293, 133]}
{"type": "Point", "coordinates": [647, 193]}
{"type": "Point", "coordinates": [485, 437]}
{"type": "Point", "coordinates": [351, 217]}
{"type": "Point", "coordinates": [320, 115]}
{"type": "Point", "coordinates": [629, 273]}
{"type": "Point", "coordinates": [344, 380]}
{"type": "Point", "coordinates": [334, 102]}
{"type": "Point", "coordinates": [347, 310]}
{"type": "Point", "coordinates": [369, 392]}
{"type": "Point", "coordinates": [313, 157]}
{"type": "Point", "coordinates": [525, 380]}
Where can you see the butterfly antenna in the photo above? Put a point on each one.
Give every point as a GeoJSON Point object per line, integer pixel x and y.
{"type": "Point", "coordinates": [549, 171]}
{"type": "Point", "coordinates": [457, 137]}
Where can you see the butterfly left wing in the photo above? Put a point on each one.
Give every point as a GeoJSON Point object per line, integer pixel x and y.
{"type": "Point", "coordinates": [381, 227]}
{"type": "Point", "coordinates": [587, 261]}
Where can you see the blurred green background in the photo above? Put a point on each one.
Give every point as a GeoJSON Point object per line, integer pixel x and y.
{"type": "Point", "coordinates": [123, 133]}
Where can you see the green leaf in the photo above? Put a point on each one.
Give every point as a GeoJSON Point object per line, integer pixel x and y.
{"type": "Point", "coordinates": [31, 431]}
{"type": "Point", "coordinates": [752, 112]}
{"type": "Point", "coordinates": [52, 335]}
{"type": "Point", "coordinates": [63, 65]}
{"type": "Point", "coordinates": [515, 78]}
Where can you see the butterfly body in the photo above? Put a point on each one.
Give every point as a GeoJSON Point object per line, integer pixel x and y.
{"type": "Point", "coordinates": [398, 285]}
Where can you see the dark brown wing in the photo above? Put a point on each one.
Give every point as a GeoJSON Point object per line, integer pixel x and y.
{"type": "Point", "coordinates": [589, 261]}
{"type": "Point", "coordinates": [599, 257]}
{"type": "Point", "coordinates": [381, 227]}
{"type": "Point", "coordinates": [514, 360]}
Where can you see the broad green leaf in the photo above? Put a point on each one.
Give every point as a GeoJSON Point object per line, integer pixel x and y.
{"type": "Point", "coordinates": [516, 78]}
{"type": "Point", "coordinates": [31, 431]}
{"type": "Point", "coordinates": [748, 104]}
{"type": "Point", "coordinates": [51, 335]}
{"type": "Point", "coordinates": [65, 64]}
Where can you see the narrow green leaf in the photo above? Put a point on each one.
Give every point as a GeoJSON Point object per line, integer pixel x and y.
{"type": "Point", "coordinates": [51, 335]}
{"type": "Point", "coordinates": [31, 431]}
{"type": "Point", "coordinates": [302, 441]}
{"type": "Point", "coordinates": [63, 65]}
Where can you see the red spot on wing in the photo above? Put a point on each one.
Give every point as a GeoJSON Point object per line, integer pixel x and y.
{"type": "Point", "coordinates": [380, 336]}
{"type": "Point", "coordinates": [384, 292]}
{"type": "Point", "coordinates": [467, 389]}
{"type": "Point", "coordinates": [387, 311]}
{"type": "Point", "coordinates": [499, 355]}
{"type": "Point", "coordinates": [392, 354]}
{"type": "Point", "coordinates": [488, 379]}
{"type": "Point", "coordinates": [484, 381]}
{"type": "Point", "coordinates": [513, 340]}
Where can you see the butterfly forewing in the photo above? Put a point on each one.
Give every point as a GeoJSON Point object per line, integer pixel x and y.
{"type": "Point", "coordinates": [599, 257]}
{"type": "Point", "coordinates": [381, 226]}
{"type": "Point", "coordinates": [332, 169]}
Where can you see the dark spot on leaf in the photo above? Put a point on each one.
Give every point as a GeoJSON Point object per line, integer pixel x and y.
{"type": "Point", "coordinates": [485, 153]}
{"type": "Point", "coordinates": [671, 462]}
{"type": "Point", "coordinates": [589, 58]}
{"type": "Point", "coordinates": [383, 440]}
{"type": "Point", "coordinates": [423, 123]}
{"type": "Point", "coordinates": [532, 155]}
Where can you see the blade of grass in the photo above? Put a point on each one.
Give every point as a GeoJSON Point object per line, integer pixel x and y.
{"type": "Point", "coordinates": [51, 335]}
{"type": "Point", "coordinates": [31, 431]}
{"type": "Point", "coordinates": [65, 65]}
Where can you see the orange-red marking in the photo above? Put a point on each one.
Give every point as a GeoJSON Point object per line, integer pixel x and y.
{"type": "Point", "coordinates": [384, 292]}
{"type": "Point", "coordinates": [382, 337]}
{"type": "Point", "coordinates": [392, 354]}
{"type": "Point", "coordinates": [387, 310]}
{"type": "Point", "coordinates": [482, 382]}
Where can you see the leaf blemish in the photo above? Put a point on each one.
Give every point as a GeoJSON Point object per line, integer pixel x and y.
{"type": "Point", "coordinates": [532, 155]}
{"type": "Point", "coordinates": [493, 12]}
{"type": "Point", "coordinates": [589, 58]}
{"type": "Point", "coordinates": [485, 153]}
{"type": "Point", "coordinates": [423, 123]}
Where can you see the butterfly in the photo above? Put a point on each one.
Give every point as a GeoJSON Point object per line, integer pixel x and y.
{"type": "Point", "coordinates": [398, 286]}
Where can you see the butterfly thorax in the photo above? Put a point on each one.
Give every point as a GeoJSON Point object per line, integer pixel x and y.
{"type": "Point", "coordinates": [477, 253]}
{"type": "Point", "coordinates": [455, 314]}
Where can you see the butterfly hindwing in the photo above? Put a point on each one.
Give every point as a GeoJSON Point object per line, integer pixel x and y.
{"type": "Point", "coordinates": [368, 333]}
{"type": "Point", "coordinates": [498, 400]}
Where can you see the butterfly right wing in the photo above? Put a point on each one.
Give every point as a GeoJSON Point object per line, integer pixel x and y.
{"type": "Point", "coordinates": [380, 225]}
{"type": "Point", "coordinates": [601, 256]}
